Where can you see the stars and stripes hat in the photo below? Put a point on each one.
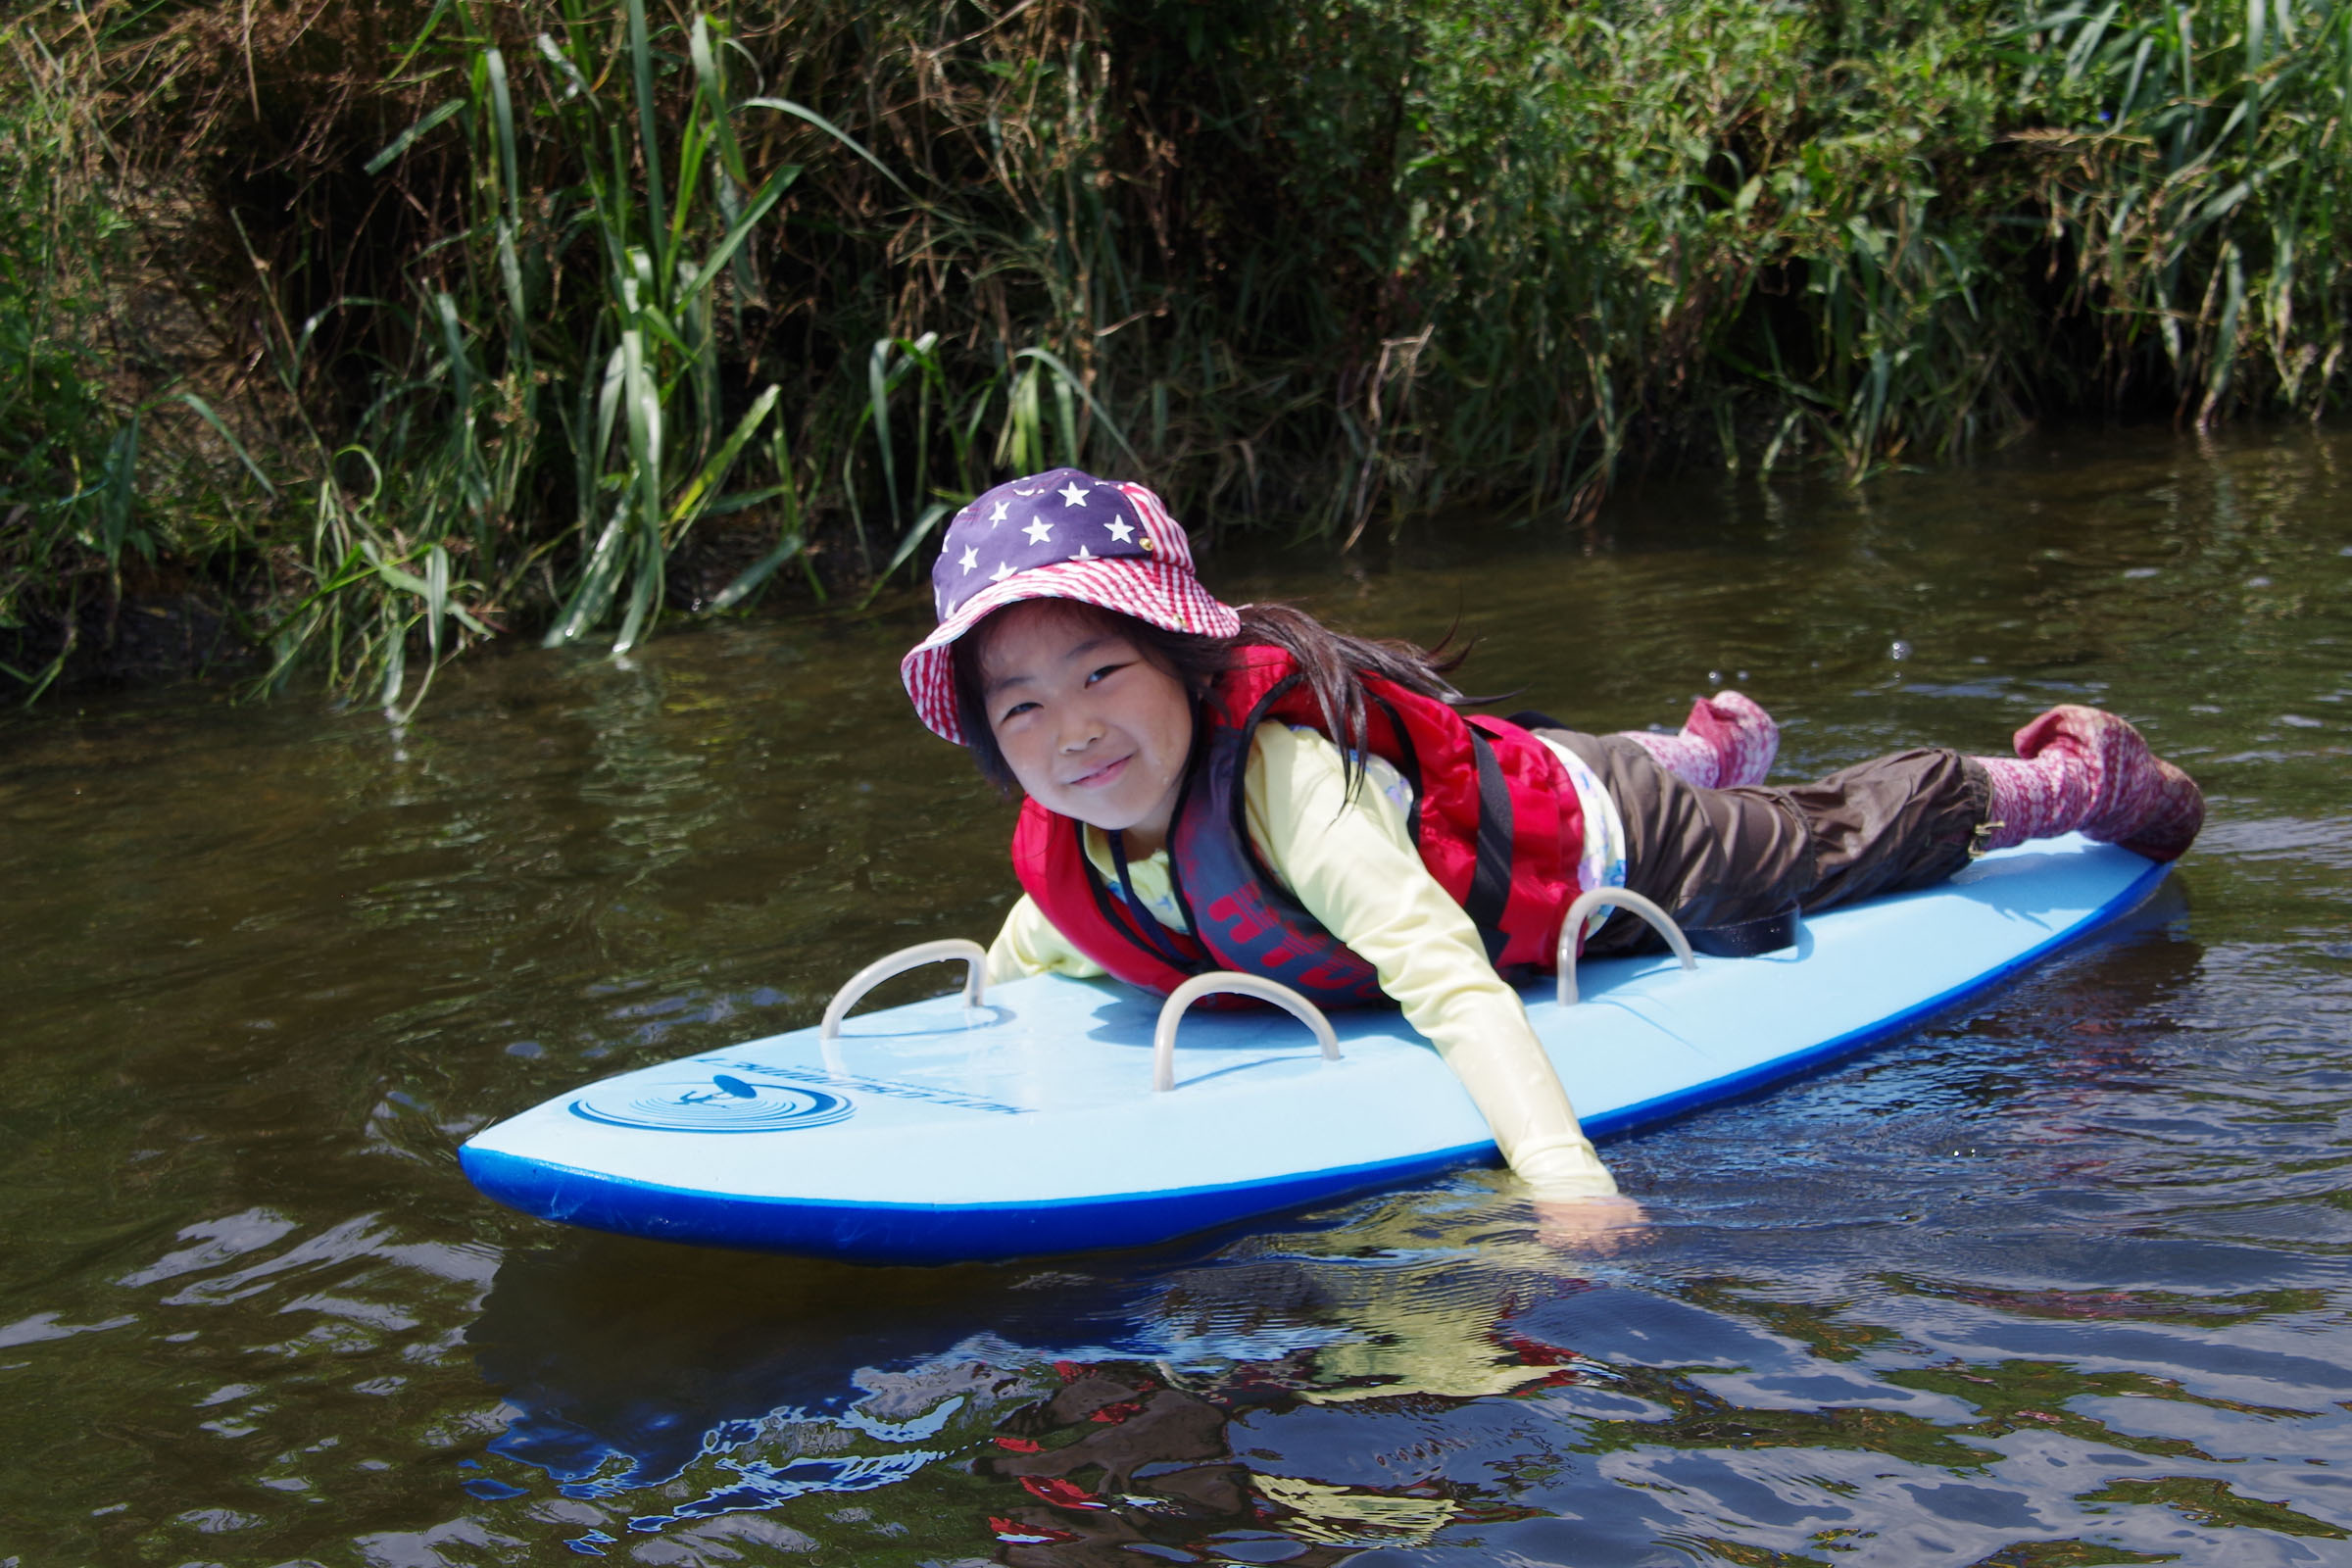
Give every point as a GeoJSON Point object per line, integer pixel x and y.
{"type": "Point", "coordinates": [1062, 534]}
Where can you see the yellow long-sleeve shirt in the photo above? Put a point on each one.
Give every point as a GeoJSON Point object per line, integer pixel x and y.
{"type": "Point", "coordinates": [1352, 866]}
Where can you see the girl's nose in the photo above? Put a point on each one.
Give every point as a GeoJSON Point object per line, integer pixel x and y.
{"type": "Point", "coordinates": [1079, 731]}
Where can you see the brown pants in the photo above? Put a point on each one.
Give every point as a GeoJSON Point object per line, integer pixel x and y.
{"type": "Point", "coordinates": [1723, 858]}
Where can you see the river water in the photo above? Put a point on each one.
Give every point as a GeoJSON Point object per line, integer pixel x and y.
{"type": "Point", "coordinates": [2060, 1280]}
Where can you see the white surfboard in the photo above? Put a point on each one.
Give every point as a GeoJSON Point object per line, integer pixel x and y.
{"type": "Point", "coordinates": [939, 1132]}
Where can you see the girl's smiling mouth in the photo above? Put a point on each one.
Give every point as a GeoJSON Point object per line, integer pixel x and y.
{"type": "Point", "coordinates": [1108, 773]}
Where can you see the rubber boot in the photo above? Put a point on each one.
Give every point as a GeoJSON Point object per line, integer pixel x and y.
{"type": "Point", "coordinates": [2084, 769]}
{"type": "Point", "coordinates": [1728, 740]}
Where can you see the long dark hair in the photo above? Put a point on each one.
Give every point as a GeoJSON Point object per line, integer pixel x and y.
{"type": "Point", "coordinates": [1332, 664]}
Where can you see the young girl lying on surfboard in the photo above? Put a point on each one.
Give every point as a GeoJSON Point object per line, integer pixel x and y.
{"type": "Point", "coordinates": [1220, 788]}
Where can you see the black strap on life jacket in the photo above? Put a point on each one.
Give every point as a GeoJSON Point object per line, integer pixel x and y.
{"type": "Point", "coordinates": [1238, 806]}
{"type": "Point", "coordinates": [1135, 922]}
{"type": "Point", "coordinates": [1408, 762]}
{"type": "Point", "coordinates": [1491, 879]}
{"type": "Point", "coordinates": [1490, 876]}
{"type": "Point", "coordinates": [1154, 931]}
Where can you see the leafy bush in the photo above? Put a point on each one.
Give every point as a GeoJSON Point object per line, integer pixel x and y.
{"type": "Point", "coordinates": [555, 291]}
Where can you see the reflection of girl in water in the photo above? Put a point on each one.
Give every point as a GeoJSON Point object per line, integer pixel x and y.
{"type": "Point", "coordinates": [1078, 1454]}
{"type": "Point", "coordinates": [1219, 789]}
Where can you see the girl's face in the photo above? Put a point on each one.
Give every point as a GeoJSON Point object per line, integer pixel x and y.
{"type": "Point", "coordinates": [1091, 728]}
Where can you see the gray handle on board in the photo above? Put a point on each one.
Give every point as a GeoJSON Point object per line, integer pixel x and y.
{"type": "Point", "coordinates": [1163, 1037]}
{"type": "Point", "coordinates": [1585, 903]}
{"type": "Point", "coordinates": [975, 980]}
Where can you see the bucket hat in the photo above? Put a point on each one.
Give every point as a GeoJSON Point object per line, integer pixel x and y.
{"type": "Point", "coordinates": [1062, 534]}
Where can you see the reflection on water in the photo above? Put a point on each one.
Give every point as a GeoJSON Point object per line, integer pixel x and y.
{"type": "Point", "coordinates": [2058, 1281]}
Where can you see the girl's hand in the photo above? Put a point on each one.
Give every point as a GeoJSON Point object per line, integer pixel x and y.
{"type": "Point", "coordinates": [1596, 1225]}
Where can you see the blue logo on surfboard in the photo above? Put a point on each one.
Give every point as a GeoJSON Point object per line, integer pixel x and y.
{"type": "Point", "coordinates": [721, 1103]}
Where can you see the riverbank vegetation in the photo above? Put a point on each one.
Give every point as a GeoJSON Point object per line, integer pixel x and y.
{"type": "Point", "coordinates": [351, 335]}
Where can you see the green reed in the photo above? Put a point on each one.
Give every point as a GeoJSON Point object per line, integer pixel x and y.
{"type": "Point", "coordinates": [783, 288]}
{"type": "Point", "coordinates": [505, 376]}
{"type": "Point", "coordinates": [593, 311]}
{"type": "Point", "coordinates": [2209, 204]}
{"type": "Point", "coordinates": [67, 462]}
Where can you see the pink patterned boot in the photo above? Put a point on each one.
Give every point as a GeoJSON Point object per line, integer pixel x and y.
{"type": "Point", "coordinates": [1728, 740]}
{"type": "Point", "coordinates": [2084, 768]}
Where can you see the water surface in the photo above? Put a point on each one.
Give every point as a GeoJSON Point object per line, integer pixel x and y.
{"type": "Point", "coordinates": [2061, 1279]}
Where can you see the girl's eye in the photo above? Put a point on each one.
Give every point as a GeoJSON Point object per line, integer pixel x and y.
{"type": "Point", "coordinates": [1105, 673]}
{"type": "Point", "coordinates": [1014, 711]}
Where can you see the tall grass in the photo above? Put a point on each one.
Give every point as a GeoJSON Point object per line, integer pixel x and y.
{"type": "Point", "coordinates": [573, 311]}
{"type": "Point", "coordinates": [75, 433]}
{"type": "Point", "coordinates": [500, 381]}
{"type": "Point", "coordinates": [66, 472]}
{"type": "Point", "coordinates": [587, 325]}
{"type": "Point", "coordinates": [2209, 207]}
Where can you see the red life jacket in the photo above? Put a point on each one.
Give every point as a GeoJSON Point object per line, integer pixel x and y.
{"type": "Point", "coordinates": [1495, 816]}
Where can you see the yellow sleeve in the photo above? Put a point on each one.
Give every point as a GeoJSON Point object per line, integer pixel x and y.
{"type": "Point", "coordinates": [1352, 864]}
{"type": "Point", "coordinates": [1030, 945]}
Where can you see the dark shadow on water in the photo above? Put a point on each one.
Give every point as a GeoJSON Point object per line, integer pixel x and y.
{"type": "Point", "coordinates": [609, 1345]}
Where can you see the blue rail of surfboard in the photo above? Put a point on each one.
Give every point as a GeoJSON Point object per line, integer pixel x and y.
{"type": "Point", "coordinates": [933, 1233]}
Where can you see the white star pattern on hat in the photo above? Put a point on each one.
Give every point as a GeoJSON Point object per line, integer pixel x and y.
{"type": "Point", "coordinates": [1144, 570]}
